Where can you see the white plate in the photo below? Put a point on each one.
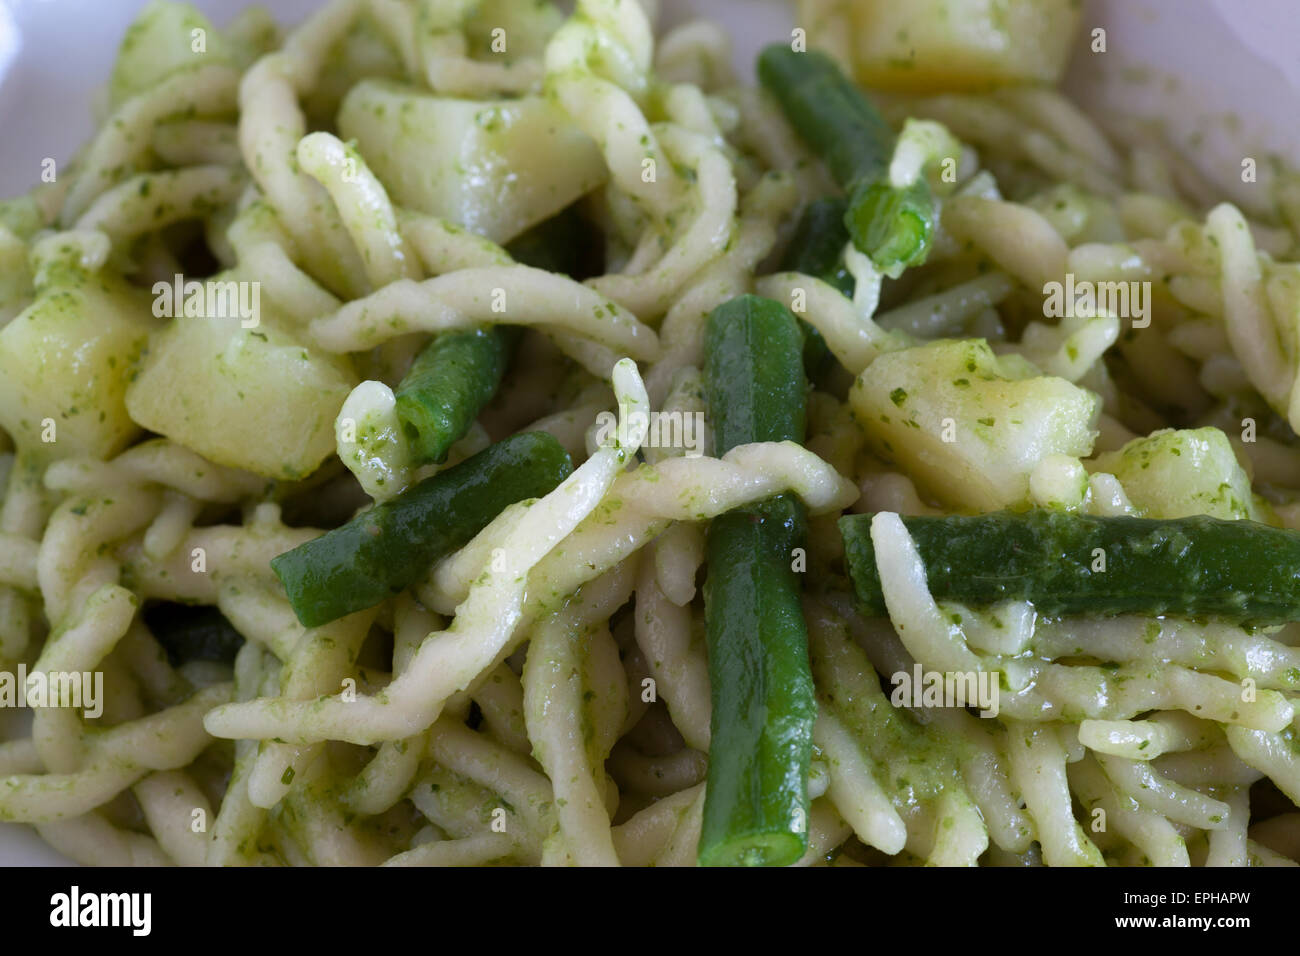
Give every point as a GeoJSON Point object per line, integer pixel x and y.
{"type": "Point", "coordinates": [1223, 75]}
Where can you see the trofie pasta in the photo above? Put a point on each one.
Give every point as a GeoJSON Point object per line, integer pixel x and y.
{"type": "Point", "coordinates": [450, 434]}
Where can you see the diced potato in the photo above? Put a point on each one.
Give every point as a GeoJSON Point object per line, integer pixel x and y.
{"type": "Point", "coordinates": [250, 398]}
{"type": "Point", "coordinates": [968, 426]}
{"type": "Point", "coordinates": [66, 359]}
{"type": "Point", "coordinates": [1177, 473]}
{"type": "Point", "coordinates": [496, 168]}
{"type": "Point", "coordinates": [165, 36]}
{"type": "Point", "coordinates": [927, 45]}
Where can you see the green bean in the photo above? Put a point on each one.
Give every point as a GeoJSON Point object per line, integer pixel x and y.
{"type": "Point", "coordinates": [829, 113]}
{"type": "Point", "coordinates": [458, 372]}
{"type": "Point", "coordinates": [755, 383]}
{"type": "Point", "coordinates": [817, 249]}
{"type": "Point", "coordinates": [756, 797]}
{"type": "Point", "coordinates": [1242, 572]}
{"type": "Point", "coordinates": [389, 547]}
{"type": "Point", "coordinates": [892, 226]}
{"type": "Point", "coordinates": [817, 246]}
{"type": "Point", "coordinates": [451, 380]}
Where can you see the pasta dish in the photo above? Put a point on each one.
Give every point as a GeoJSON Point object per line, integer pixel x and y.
{"type": "Point", "coordinates": [452, 433]}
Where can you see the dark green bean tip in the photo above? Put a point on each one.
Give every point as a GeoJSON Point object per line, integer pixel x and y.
{"type": "Point", "coordinates": [387, 548]}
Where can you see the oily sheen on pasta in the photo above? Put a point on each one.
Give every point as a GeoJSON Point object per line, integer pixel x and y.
{"type": "Point", "coordinates": [208, 317]}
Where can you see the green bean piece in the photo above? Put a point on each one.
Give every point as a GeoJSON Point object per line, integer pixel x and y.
{"type": "Point", "coordinates": [756, 801]}
{"type": "Point", "coordinates": [451, 380]}
{"type": "Point", "coordinates": [1241, 572]}
{"type": "Point", "coordinates": [389, 547]}
{"type": "Point", "coordinates": [893, 226]}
